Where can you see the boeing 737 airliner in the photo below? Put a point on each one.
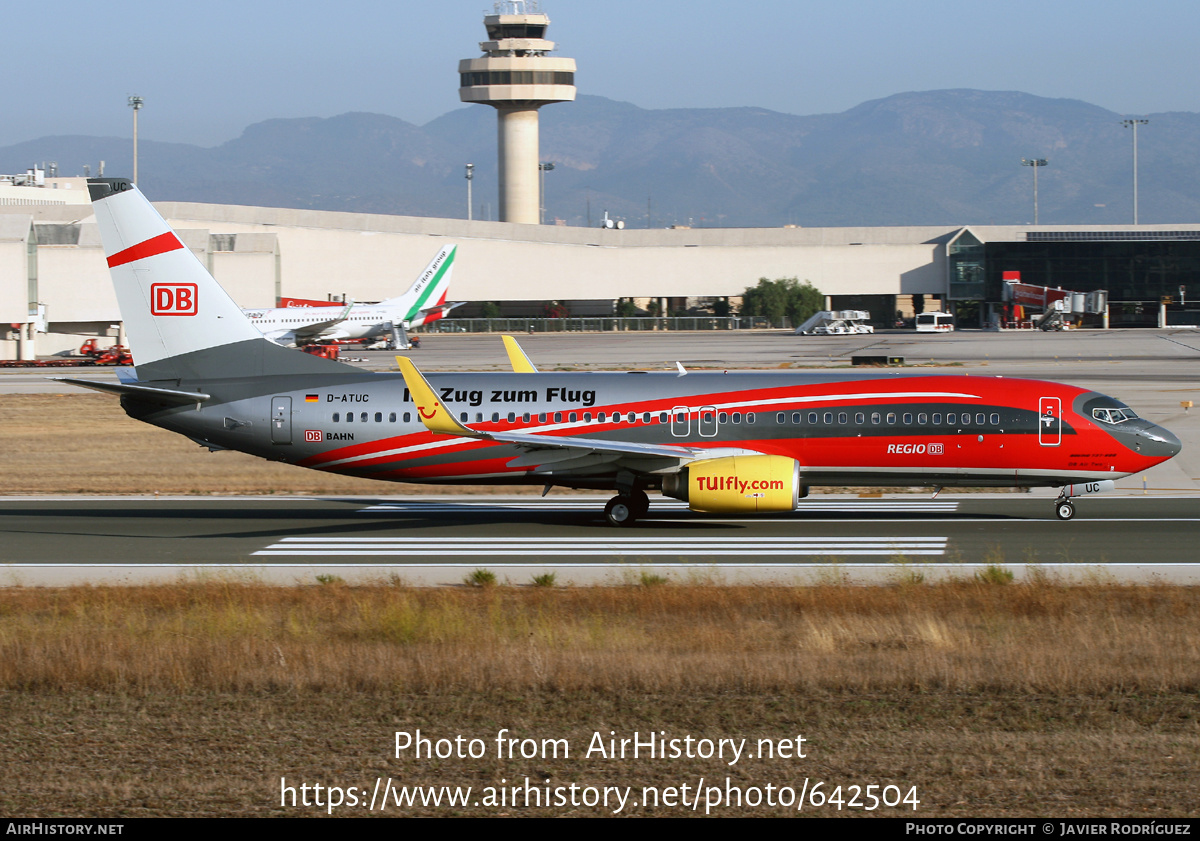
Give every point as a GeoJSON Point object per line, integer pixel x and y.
{"type": "Point", "coordinates": [422, 303]}
{"type": "Point", "coordinates": [724, 443]}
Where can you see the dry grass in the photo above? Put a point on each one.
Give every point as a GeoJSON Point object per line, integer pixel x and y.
{"type": "Point", "coordinates": [960, 637]}
{"type": "Point", "coordinates": [1018, 700]}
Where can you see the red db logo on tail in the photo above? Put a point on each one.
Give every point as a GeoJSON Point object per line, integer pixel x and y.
{"type": "Point", "coordinates": [173, 299]}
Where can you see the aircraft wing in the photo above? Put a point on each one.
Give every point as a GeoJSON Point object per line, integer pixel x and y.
{"type": "Point", "coordinates": [540, 449]}
{"type": "Point", "coordinates": [313, 331]}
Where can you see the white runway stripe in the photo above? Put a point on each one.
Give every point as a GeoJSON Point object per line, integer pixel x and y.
{"type": "Point", "coordinates": [420, 548]}
{"type": "Point", "coordinates": [838, 506]}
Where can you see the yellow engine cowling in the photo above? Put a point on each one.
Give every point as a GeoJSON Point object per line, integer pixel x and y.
{"type": "Point", "coordinates": [738, 484]}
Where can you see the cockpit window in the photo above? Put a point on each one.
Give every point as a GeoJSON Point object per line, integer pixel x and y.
{"type": "Point", "coordinates": [1113, 415]}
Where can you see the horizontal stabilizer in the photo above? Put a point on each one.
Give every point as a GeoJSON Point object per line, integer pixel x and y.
{"type": "Point", "coordinates": [170, 396]}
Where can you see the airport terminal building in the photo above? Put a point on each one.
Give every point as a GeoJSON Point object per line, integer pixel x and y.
{"type": "Point", "coordinates": [54, 283]}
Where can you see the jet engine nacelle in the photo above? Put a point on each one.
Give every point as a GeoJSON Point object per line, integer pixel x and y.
{"type": "Point", "coordinates": [738, 484]}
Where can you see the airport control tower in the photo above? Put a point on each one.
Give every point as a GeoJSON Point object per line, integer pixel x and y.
{"type": "Point", "coordinates": [516, 77]}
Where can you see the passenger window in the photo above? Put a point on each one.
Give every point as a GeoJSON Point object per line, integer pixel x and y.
{"type": "Point", "coordinates": [797, 417]}
{"type": "Point", "coordinates": [479, 417]}
{"type": "Point", "coordinates": [843, 418]}
{"type": "Point", "coordinates": [363, 417]}
{"type": "Point", "coordinates": [662, 417]}
{"type": "Point", "coordinates": [751, 417]}
{"type": "Point", "coordinates": [876, 417]}
{"type": "Point", "coordinates": [829, 417]}
{"type": "Point", "coordinates": [952, 419]}
{"type": "Point", "coordinates": [349, 417]}
{"type": "Point", "coordinates": [937, 418]}
{"type": "Point", "coordinates": [574, 417]}
{"type": "Point", "coordinates": [780, 418]}
{"type": "Point", "coordinates": [407, 417]}
{"type": "Point", "coordinates": [812, 417]}
{"type": "Point", "coordinates": [680, 417]}
{"type": "Point", "coordinates": [542, 417]}
{"type": "Point", "coordinates": [995, 419]}
{"type": "Point", "coordinates": [979, 420]}
{"type": "Point", "coordinates": [379, 417]}
{"type": "Point", "coordinates": [512, 417]}
{"type": "Point", "coordinates": [645, 417]}
{"type": "Point", "coordinates": [860, 418]}
{"type": "Point", "coordinates": [737, 417]}
{"type": "Point", "coordinates": [495, 417]}
{"type": "Point", "coordinates": [891, 418]}
{"type": "Point", "coordinates": [601, 417]}
{"type": "Point", "coordinates": [908, 418]}
{"type": "Point", "coordinates": [558, 417]}
{"type": "Point", "coordinates": [587, 417]}
{"type": "Point", "coordinates": [337, 417]}
{"type": "Point", "coordinates": [723, 417]}
{"type": "Point", "coordinates": [922, 419]}
{"type": "Point", "coordinates": [462, 416]}
{"type": "Point", "coordinates": [392, 417]}
{"type": "Point", "coordinates": [525, 417]}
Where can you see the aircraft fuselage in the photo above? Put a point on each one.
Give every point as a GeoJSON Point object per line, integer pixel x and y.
{"type": "Point", "coordinates": [857, 430]}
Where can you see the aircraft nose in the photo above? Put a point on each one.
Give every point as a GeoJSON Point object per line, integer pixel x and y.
{"type": "Point", "coordinates": [1157, 442]}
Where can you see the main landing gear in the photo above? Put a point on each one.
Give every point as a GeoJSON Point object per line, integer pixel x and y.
{"type": "Point", "coordinates": [626, 509]}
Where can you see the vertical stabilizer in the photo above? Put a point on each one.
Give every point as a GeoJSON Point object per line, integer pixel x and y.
{"type": "Point", "coordinates": [170, 303]}
{"type": "Point", "coordinates": [180, 322]}
{"type": "Point", "coordinates": [430, 287]}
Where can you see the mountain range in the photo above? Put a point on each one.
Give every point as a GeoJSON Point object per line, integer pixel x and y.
{"type": "Point", "coordinates": [926, 158]}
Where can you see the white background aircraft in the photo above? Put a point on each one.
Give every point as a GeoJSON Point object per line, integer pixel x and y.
{"type": "Point", "coordinates": [424, 302]}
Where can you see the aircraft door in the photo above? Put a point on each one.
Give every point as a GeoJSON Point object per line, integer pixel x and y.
{"type": "Point", "coordinates": [708, 421]}
{"type": "Point", "coordinates": [281, 420]}
{"type": "Point", "coordinates": [1049, 421]}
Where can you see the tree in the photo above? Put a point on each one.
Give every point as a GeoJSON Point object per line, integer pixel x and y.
{"type": "Point", "coordinates": [490, 309]}
{"type": "Point", "coordinates": [626, 308]}
{"type": "Point", "coordinates": [775, 299]}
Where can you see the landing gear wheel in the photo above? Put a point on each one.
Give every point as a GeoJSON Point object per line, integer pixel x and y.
{"type": "Point", "coordinates": [1064, 509]}
{"type": "Point", "coordinates": [641, 503]}
{"type": "Point", "coordinates": [621, 511]}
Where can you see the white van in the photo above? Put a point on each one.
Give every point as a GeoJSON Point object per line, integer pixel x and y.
{"type": "Point", "coordinates": [935, 322]}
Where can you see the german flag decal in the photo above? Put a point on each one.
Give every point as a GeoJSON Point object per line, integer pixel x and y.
{"type": "Point", "coordinates": [312, 398]}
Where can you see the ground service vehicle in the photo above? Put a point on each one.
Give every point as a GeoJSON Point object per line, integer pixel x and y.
{"type": "Point", "coordinates": [723, 442]}
{"type": "Point", "coordinates": [935, 322]}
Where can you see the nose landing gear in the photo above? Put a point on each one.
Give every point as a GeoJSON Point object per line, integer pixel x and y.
{"type": "Point", "coordinates": [1064, 509]}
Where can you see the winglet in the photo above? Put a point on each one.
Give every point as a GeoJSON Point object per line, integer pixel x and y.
{"type": "Point", "coordinates": [432, 412]}
{"type": "Point", "coordinates": [517, 358]}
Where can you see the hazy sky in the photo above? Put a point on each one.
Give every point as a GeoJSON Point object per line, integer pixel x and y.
{"type": "Point", "coordinates": [208, 70]}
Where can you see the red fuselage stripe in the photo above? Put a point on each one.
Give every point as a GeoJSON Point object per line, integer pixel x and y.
{"type": "Point", "coordinates": [160, 244]}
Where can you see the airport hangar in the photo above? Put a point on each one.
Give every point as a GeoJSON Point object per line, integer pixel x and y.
{"type": "Point", "coordinates": [53, 275]}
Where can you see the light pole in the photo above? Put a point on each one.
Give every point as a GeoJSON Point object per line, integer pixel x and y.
{"type": "Point", "coordinates": [135, 102]}
{"type": "Point", "coordinates": [1036, 163]}
{"type": "Point", "coordinates": [543, 168]}
{"type": "Point", "coordinates": [1133, 124]}
{"type": "Point", "coordinates": [470, 178]}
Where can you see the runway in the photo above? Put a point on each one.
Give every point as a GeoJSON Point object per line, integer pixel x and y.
{"type": "Point", "coordinates": [440, 540]}
{"type": "Point", "coordinates": [429, 540]}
